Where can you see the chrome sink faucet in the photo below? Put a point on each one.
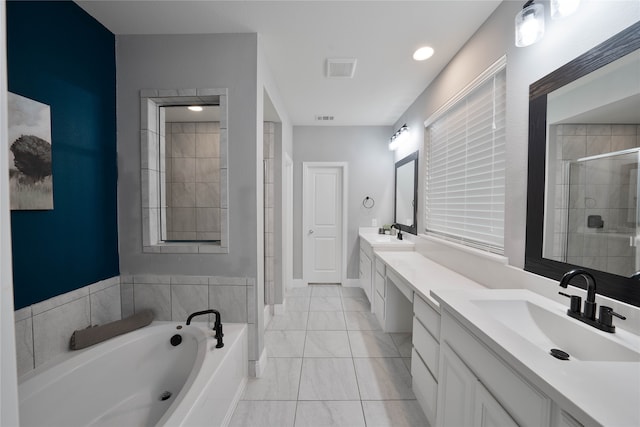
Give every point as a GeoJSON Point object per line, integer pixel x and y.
{"type": "Point", "coordinates": [605, 322]}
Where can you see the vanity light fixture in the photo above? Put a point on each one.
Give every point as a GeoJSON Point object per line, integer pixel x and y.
{"type": "Point", "coordinates": [562, 8]}
{"type": "Point", "coordinates": [423, 53]}
{"type": "Point", "coordinates": [529, 24]}
{"type": "Point", "coordinates": [397, 137]}
{"type": "Point", "coordinates": [196, 108]}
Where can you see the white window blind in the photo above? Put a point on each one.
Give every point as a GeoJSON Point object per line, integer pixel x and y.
{"type": "Point", "coordinates": [465, 179]}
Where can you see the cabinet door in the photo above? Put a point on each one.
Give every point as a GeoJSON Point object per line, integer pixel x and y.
{"type": "Point", "coordinates": [366, 267]}
{"type": "Point", "coordinates": [380, 284]}
{"type": "Point", "coordinates": [456, 386]}
{"type": "Point", "coordinates": [487, 410]}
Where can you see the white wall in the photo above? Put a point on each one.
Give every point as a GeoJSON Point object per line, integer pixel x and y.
{"type": "Point", "coordinates": [8, 370]}
{"type": "Point", "coordinates": [595, 21]}
{"type": "Point", "coordinates": [371, 173]}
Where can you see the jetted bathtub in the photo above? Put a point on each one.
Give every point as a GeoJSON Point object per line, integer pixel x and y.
{"type": "Point", "coordinates": [141, 379]}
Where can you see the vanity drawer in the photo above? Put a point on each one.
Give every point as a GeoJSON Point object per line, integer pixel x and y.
{"type": "Point", "coordinates": [429, 317]}
{"type": "Point", "coordinates": [381, 267]}
{"type": "Point", "coordinates": [426, 346]}
{"type": "Point", "coordinates": [424, 387]}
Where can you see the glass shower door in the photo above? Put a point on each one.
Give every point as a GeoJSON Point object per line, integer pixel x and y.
{"type": "Point", "coordinates": [602, 212]}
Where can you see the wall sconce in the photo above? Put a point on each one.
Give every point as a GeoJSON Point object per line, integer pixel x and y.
{"type": "Point", "coordinates": [397, 137]}
{"type": "Point", "coordinates": [562, 8]}
{"type": "Point", "coordinates": [529, 24]}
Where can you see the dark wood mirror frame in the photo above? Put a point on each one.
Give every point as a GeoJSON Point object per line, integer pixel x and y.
{"type": "Point", "coordinates": [611, 285]}
{"type": "Point", "coordinates": [413, 228]}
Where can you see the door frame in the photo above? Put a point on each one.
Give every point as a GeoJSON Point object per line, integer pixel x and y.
{"type": "Point", "coordinates": [288, 219]}
{"type": "Point", "coordinates": [345, 180]}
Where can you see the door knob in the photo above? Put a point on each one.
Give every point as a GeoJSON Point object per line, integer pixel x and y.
{"type": "Point", "coordinates": [310, 231]}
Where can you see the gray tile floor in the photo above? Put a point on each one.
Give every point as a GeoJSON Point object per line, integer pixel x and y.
{"type": "Point", "coordinates": [331, 365]}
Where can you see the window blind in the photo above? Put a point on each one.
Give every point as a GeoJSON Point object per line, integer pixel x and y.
{"type": "Point", "coordinates": [465, 176]}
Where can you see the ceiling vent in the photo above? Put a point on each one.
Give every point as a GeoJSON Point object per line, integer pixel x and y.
{"type": "Point", "coordinates": [341, 68]}
{"type": "Point", "coordinates": [324, 118]}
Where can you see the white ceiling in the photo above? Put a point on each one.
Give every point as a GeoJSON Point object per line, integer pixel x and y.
{"type": "Point", "coordinates": [298, 37]}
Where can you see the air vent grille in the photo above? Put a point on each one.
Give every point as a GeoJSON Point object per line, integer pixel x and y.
{"type": "Point", "coordinates": [341, 68]}
{"type": "Point", "coordinates": [324, 118]}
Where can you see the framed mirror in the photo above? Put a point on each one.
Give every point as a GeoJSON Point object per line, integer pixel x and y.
{"type": "Point", "coordinates": [406, 194]}
{"type": "Point", "coordinates": [584, 153]}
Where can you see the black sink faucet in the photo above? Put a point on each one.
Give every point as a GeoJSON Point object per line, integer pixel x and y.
{"type": "Point", "coordinates": [217, 327]}
{"type": "Point", "coordinates": [590, 302]}
{"type": "Point", "coordinates": [397, 227]}
{"type": "Point", "coordinates": [605, 322]}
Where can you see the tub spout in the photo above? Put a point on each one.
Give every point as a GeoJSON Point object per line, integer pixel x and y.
{"type": "Point", "coordinates": [217, 327]}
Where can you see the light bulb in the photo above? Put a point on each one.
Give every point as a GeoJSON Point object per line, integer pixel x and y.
{"type": "Point", "coordinates": [529, 25]}
{"type": "Point", "coordinates": [562, 8]}
{"type": "Point", "coordinates": [423, 53]}
{"type": "Point", "coordinates": [195, 108]}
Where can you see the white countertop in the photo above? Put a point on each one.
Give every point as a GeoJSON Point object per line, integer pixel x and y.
{"type": "Point", "coordinates": [425, 275]}
{"type": "Point", "coordinates": [385, 242]}
{"type": "Point", "coordinates": [595, 392]}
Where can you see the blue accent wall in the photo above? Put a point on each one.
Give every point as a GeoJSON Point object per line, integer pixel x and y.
{"type": "Point", "coordinates": [60, 56]}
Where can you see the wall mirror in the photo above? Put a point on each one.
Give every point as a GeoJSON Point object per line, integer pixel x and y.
{"type": "Point", "coordinates": [184, 174]}
{"type": "Point", "coordinates": [584, 153]}
{"type": "Point", "coordinates": [406, 193]}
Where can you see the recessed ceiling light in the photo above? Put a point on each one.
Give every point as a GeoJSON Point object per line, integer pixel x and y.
{"type": "Point", "coordinates": [423, 53]}
{"type": "Point", "coordinates": [194, 108]}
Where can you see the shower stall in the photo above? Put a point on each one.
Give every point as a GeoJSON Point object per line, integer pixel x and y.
{"type": "Point", "coordinates": [602, 212]}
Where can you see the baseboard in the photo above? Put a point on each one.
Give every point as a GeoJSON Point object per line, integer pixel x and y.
{"type": "Point", "coordinates": [267, 315]}
{"type": "Point", "coordinates": [257, 367]}
{"type": "Point", "coordinates": [351, 283]}
{"type": "Point", "coordinates": [298, 283]}
{"type": "Point", "coordinates": [279, 309]}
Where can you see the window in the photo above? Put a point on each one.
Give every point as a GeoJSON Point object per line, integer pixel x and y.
{"type": "Point", "coordinates": [465, 164]}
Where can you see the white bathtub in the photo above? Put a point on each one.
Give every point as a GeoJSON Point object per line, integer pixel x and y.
{"type": "Point", "coordinates": [121, 382]}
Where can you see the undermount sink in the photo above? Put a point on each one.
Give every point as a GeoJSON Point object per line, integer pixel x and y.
{"type": "Point", "coordinates": [383, 238]}
{"type": "Point", "coordinates": [552, 329]}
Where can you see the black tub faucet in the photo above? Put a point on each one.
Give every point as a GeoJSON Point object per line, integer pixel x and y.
{"type": "Point", "coordinates": [217, 327]}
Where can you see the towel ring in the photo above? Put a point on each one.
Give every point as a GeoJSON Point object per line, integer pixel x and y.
{"type": "Point", "coordinates": [368, 202]}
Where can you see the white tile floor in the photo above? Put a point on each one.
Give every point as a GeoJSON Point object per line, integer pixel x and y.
{"type": "Point", "coordinates": [331, 365]}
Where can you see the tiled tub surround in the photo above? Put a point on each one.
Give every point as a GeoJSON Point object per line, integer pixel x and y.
{"type": "Point", "coordinates": [573, 241]}
{"type": "Point", "coordinates": [153, 169]}
{"type": "Point", "coordinates": [43, 330]}
{"type": "Point", "coordinates": [192, 181]}
{"type": "Point", "coordinates": [175, 297]}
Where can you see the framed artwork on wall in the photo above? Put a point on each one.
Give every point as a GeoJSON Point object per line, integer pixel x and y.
{"type": "Point", "coordinates": [30, 170]}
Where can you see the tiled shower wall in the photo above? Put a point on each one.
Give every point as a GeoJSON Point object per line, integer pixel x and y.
{"type": "Point", "coordinates": [192, 181]}
{"type": "Point", "coordinates": [574, 242]}
{"type": "Point", "coordinates": [269, 260]}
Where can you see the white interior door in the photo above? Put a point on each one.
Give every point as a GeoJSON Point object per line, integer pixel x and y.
{"type": "Point", "coordinates": [323, 220]}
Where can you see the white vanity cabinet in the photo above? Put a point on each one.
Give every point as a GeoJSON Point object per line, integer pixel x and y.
{"type": "Point", "coordinates": [464, 400]}
{"type": "Point", "coordinates": [366, 269]}
{"type": "Point", "coordinates": [476, 387]}
{"type": "Point", "coordinates": [425, 356]}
